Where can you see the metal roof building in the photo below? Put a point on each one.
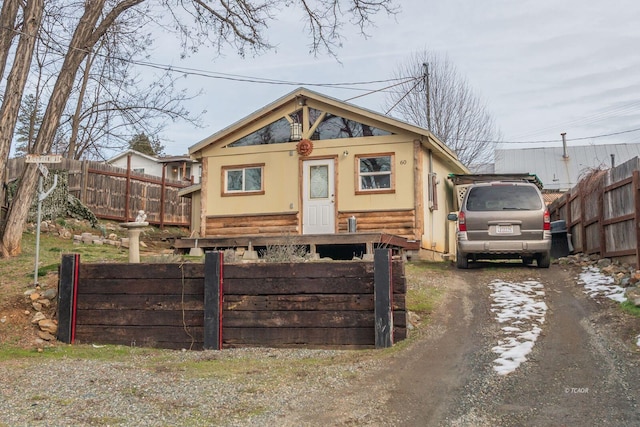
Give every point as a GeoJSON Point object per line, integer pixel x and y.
{"type": "Point", "coordinates": [560, 168]}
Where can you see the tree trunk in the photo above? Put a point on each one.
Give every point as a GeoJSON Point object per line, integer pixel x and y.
{"type": "Point", "coordinates": [8, 17]}
{"type": "Point", "coordinates": [84, 38]}
{"type": "Point", "coordinates": [17, 79]}
{"type": "Point", "coordinates": [14, 225]}
{"type": "Point", "coordinates": [75, 119]}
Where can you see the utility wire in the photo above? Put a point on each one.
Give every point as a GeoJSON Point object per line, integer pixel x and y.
{"type": "Point", "coordinates": [418, 81]}
{"type": "Point", "coordinates": [553, 140]}
{"type": "Point", "coordinates": [345, 85]}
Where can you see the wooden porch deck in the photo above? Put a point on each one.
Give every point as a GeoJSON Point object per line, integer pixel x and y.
{"type": "Point", "coordinates": [369, 240]}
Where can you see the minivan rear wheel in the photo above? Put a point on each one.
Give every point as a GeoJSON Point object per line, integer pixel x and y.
{"type": "Point", "coordinates": [462, 261]}
{"type": "Point", "coordinates": [544, 260]}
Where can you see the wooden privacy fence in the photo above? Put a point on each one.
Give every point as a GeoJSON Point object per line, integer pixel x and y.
{"type": "Point", "coordinates": [603, 211]}
{"type": "Point", "coordinates": [354, 304]}
{"type": "Point", "coordinates": [118, 194]}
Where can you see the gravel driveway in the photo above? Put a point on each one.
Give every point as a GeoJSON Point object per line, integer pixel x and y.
{"type": "Point", "coordinates": [582, 370]}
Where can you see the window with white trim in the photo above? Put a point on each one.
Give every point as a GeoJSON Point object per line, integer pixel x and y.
{"type": "Point", "coordinates": [375, 173]}
{"type": "Point", "coordinates": [239, 180]}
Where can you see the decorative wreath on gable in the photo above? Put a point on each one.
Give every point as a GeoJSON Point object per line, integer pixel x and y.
{"type": "Point", "coordinates": [304, 147]}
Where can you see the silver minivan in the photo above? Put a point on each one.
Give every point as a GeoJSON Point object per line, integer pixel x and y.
{"type": "Point", "coordinates": [503, 220]}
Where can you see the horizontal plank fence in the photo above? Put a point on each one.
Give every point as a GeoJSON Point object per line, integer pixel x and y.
{"type": "Point", "coordinates": [354, 304]}
{"type": "Point", "coordinates": [118, 194]}
{"type": "Point", "coordinates": [602, 213]}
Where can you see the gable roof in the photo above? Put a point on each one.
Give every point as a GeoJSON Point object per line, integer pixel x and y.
{"type": "Point", "coordinates": [427, 138]}
{"type": "Point", "coordinates": [132, 152]}
{"type": "Point", "coordinates": [558, 172]}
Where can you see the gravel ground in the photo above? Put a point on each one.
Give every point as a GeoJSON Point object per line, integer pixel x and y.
{"type": "Point", "coordinates": [229, 388]}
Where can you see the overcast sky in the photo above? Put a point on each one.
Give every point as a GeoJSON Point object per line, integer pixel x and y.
{"type": "Point", "coordinates": [542, 67]}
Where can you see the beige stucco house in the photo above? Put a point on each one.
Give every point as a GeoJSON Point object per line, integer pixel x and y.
{"type": "Point", "coordinates": [307, 163]}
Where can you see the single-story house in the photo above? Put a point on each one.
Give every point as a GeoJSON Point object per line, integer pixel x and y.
{"type": "Point", "coordinates": [328, 172]}
{"type": "Point", "coordinates": [137, 161]}
{"type": "Point", "coordinates": [177, 168]}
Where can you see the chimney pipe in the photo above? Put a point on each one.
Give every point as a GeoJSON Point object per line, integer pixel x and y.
{"type": "Point", "coordinates": [564, 145]}
{"type": "Point", "coordinates": [613, 160]}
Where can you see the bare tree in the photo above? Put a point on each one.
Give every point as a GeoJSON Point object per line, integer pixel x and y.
{"type": "Point", "coordinates": [89, 30]}
{"type": "Point", "coordinates": [440, 100]}
{"type": "Point", "coordinates": [111, 104]}
{"type": "Point", "coordinates": [16, 81]}
{"type": "Point", "coordinates": [241, 24]}
{"type": "Point", "coordinates": [8, 17]}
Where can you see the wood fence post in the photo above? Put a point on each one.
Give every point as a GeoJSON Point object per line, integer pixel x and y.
{"type": "Point", "coordinates": [636, 213]}
{"type": "Point", "coordinates": [127, 190]}
{"type": "Point", "coordinates": [67, 297]}
{"type": "Point", "coordinates": [383, 296]}
{"type": "Point", "coordinates": [163, 188]}
{"type": "Point", "coordinates": [601, 227]}
{"type": "Point", "coordinates": [583, 220]}
{"type": "Point", "coordinates": [213, 293]}
{"type": "Point", "coordinates": [84, 181]}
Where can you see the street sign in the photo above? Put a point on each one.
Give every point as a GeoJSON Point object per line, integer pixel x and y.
{"type": "Point", "coordinates": [43, 170]}
{"type": "Point", "coordinates": [43, 158]}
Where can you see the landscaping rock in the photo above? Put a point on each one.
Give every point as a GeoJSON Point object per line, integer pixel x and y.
{"type": "Point", "coordinates": [38, 317]}
{"type": "Point", "coordinates": [50, 293]}
{"type": "Point", "coordinates": [48, 325]}
{"type": "Point", "coordinates": [633, 295]}
{"type": "Point", "coordinates": [46, 336]}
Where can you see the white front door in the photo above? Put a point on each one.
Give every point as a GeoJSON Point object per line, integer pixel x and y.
{"type": "Point", "coordinates": [318, 198]}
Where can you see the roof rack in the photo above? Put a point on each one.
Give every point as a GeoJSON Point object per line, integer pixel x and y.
{"type": "Point", "coordinates": [462, 179]}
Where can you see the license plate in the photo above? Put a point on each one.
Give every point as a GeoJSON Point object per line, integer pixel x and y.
{"type": "Point", "coordinates": [504, 229]}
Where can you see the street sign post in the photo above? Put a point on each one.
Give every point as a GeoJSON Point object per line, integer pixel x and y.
{"type": "Point", "coordinates": [44, 173]}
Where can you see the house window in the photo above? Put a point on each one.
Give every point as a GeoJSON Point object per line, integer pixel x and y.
{"type": "Point", "coordinates": [239, 180]}
{"type": "Point", "coordinates": [375, 173]}
{"type": "Point", "coordinates": [336, 127]}
{"type": "Point", "coordinates": [138, 170]}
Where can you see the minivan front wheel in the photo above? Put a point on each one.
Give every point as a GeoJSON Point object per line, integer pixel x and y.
{"type": "Point", "coordinates": [544, 260]}
{"type": "Point", "coordinates": [462, 261]}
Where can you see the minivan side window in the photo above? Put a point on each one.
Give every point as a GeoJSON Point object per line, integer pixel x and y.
{"type": "Point", "coordinates": [503, 197]}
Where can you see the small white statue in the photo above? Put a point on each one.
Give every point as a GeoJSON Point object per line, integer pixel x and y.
{"type": "Point", "coordinates": [141, 216]}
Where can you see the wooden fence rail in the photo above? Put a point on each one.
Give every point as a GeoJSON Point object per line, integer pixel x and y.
{"type": "Point", "coordinates": [352, 304]}
{"type": "Point", "coordinates": [118, 194]}
{"type": "Point", "coordinates": [603, 211]}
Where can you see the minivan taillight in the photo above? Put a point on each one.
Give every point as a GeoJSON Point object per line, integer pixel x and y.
{"type": "Point", "coordinates": [462, 223]}
{"type": "Point", "coordinates": [546, 221]}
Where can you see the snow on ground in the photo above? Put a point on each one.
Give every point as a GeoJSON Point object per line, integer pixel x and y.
{"type": "Point", "coordinates": [521, 308]}
{"type": "Point", "coordinates": [597, 284]}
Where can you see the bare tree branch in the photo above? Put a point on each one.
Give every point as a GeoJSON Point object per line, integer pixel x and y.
{"type": "Point", "coordinates": [457, 116]}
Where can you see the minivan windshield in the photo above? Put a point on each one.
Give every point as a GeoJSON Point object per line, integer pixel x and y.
{"type": "Point", "coordinates": [503, 197]}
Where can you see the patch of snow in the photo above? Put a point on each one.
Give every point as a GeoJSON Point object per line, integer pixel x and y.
{"type": "Point", "coordinates": [638, 342]}
{"type": "Point", "coordinates": [519, 304]}
{"type": "Point", "coordinates": [597, 284]}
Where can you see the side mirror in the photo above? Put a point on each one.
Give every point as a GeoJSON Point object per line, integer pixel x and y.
{"type": "Point", "coordinates": [452, 217]}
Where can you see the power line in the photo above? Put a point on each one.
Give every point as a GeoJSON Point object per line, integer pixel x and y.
{"type": "Point", "coordinates": [554, 140]}
{"type": "Point", "coordinates": [350, 86]}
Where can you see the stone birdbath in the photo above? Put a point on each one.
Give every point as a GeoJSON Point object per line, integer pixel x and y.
{"type": "Point", "coordinates": [133, 231]}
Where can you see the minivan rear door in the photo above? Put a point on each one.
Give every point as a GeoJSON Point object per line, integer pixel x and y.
{"type": "Point", "coordinates": [504, 211]}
